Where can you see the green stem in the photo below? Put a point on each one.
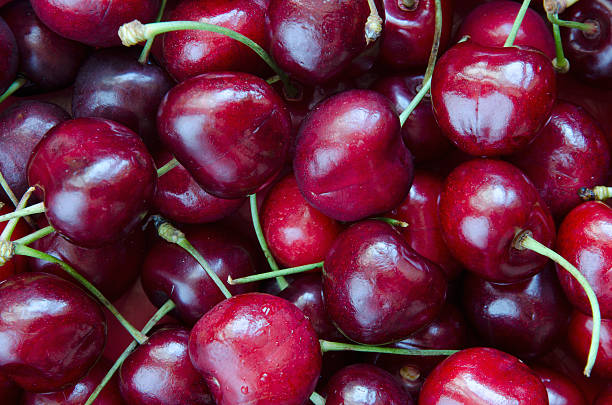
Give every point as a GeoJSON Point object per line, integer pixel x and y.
{"type": "Point", "coordinates": [317, 399]}
{"type": "Point", "coordinates": [560, 62]}
{"type": "Point", "coordinates": [144, 55]}
{"type": "Point", "coordinates": [415, 102]}
{"type": "Point", "coordinates": [7, 232]}
{"type": "Point", "coordinates": [167, 167]}
{"type": "Point", "coordinates": [7, 190]}
{"type": "Point", "coordinates": [16, 85]}
{"type": "Point", "coordinates": [161, 312]}
{"type": "Point", "coordinates": [393, 222]}
{"type": "Point", "coordinates": [34, 236]}
{"type": "Point", "coordinates": [273, 79]}
{"type": "Point", "coordinates": [27, 251]}
{"type": "Point", "coordinates": [280, 280]}
{"type": "Point", "coordinates": [32, 209]}
{"type": "Point", "coordinates": [433, 55]}
{"type": "Point", "coordinates": [517, 23]}
{"type": "Point", "coordinates": [599, 193]}
{"type": "Point", "coordinates": [327, 346]}
{"type": "Point", "coordinates": [274, 274]}
{"type": "Point", "coordinates": [587, 27]}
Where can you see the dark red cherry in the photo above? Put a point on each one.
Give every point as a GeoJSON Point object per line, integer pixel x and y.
{"type": "Point", "coordinates": [492, 101]}
{"type": "Point", "coordinates": [424, 233]}
{"type": "Point", "coordinates": [78, 393]}
{"type": "Point", "coordinates": [485, 203]}
{"type": "Point", "coordinates": [179, 198]}
{"type": "Point", "coordinates": [186, 54]}
{"type": "Point", "coordinates": [9, 56]}
{"type": "Point", "coordinates": [569, 153]}
{"type": "Point", "coordinates": [48, 60]}
{"type": "Point", "coordinates": [408, 32]}
{"type": "Point", "coordinates": [590, 54]}
{"type": "Point", "coordinates": [231, 131]}
{"type": "Point", "coordinates": [314, 41]}
{"type": "Point", "coordinates": [169, 272]}
{"type": "Point", "coordinates": [364, 384]}
{"type": "Point", "coordinates": [561, 390]}
{"type": "Point", "coordinates": [21, 128]}
{"type": "Point", "coordinates": [585, 240]}
{"type": "Point", "coordinates": [52, 331]}
{"type": "Point", "coordinates": [97, 179]}
{"type": "Point", "coordinates": [604, 397]}
{"type": "Point", "coordinates": [483, 376]}
{"type": "Point", "coordinates": [160, 373]}
{"type": "Point", "coordinates": [112, 84]}
{"type": "Point", "coordinates": [297, 234]}
{"type": "Point", "coordinates": [93, 23]}
{"type": "Point", "coordinates": [377, 289]}
{"type": "Point", "coordinates": [350, 161]}
{"type": "Point", "coordinates": [525, 318]}
{"type": "Point", "coordinates": [254, 349]}
{"type": "Point", "coordinates": [490, 24]}
{"type": "Point", "coordinates": [9, 392]}
{"type": "Point", "coordinates": [579, 337]}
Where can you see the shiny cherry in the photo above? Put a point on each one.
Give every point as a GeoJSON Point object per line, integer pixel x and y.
{"type": "Point", "coordinates": [231, 131]}
{"type": "Point", "coordinates": [579, 337]}
{"type": "Point", "coordinates": [492, 101]}
{"type": "Point", "coordinates": [254, 349]}
{"type": "Point", "coordinates": [52, 331]}
{"type": "Point", "coordinates": [97, 179]}
{"type": "Point", "coordinates": [561, 390]}
{"type": "Point", "coordinates": [9, 56]}
{"type": "Point", "coordinates": [484, 204]}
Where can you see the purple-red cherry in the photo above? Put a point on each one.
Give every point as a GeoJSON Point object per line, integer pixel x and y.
{"type": "Point", "coordinates": [9, 56]}
{"type": "Point", "coordinates": [579, 338]}
{"type": "Point", "coordinates": [254, 349]}
{"type": "Point", "coordinates": [561, 390]}
{"type": "Point", "coordinates": [9, 392]}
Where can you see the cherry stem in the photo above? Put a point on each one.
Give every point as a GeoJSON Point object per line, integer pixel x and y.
{"type": "Point", "coordinates": [274, 274]}
{"type": "Point", "coordinates": [16, 85]}
{"type": "Point", "coordinates": [558, 6]}
{"type": "Point", "coordinates": [526, 241]}
{"type": "Point", "coordinates": [560, 62]}
{"type": "Point", "coordinates": [517, 23]}
{"type": "Point", "coordinates": [37, 254]}
{"type": "Point", "coordinates": [373, 25]}
{"type": "Point", "coordinates": [587, 27]}
{"type": "Point", "coordinates": [161, 312]}
{"type": "Point", "coordinates": [12, 197]}
{"type": "Point", "coordinates": [280, 280]}
{"type": "Point", "coordinates": [433, 55]}
{"type": "Point", "coordinates": [415, 102]}
{"type": "Point", "coordinates": [170, 234]}
{"type": "Point", "coordinates": [273, 79]}
{"type": "Point", "coordinates": [393, 222]}
{"type": "Point", "coordinates": [327, 346]}
{"type": "Point", "coordinates": [144, 55]}
{"type": "Point", "coordinates": [167, 167]}
{"type": "Point", "coordinates": [317, 399]}
{"type": "Point", "coordinates": [135, 32]}
{"type": "Point", "coordinates": [598, 193]}
{"type": "Point", "coordinates": [10, 226]}
{"type": "Point", "coordinates": [32, 209]}
{"type": "Point", "coordinates": [34, 236]}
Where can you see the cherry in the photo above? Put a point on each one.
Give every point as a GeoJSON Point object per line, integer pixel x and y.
{"type": "Point", "coordinates": [483, 375]}
{"type": "Point", "coordinates": [525, 318]}
{"type": "Point", "coordinates": [9, 56]}
{"type": "Point", "coordinates": [424, 234]}
{"type": "Point", "coordinates": [97, 179]}
{"type": "Point", "coordinates": [9, 392]}
{"type": "Point", "coordinates": [179, 198]}
{"type": "Point", "coordinates": [584, 239]}
{"type": "Point", "coordinates": [256, 348]}
{"type": "Point", "coordinates": [160, 372]}
{"type": "Point", "coordinates": [297, 234]}
{"type": "Point", "coordinates": [350, 161]}
{"type": "Point", "coordinates": [93, 23]}
{"type": "Point", "coordinates": [52, 331]}
{"type": "Point", "coordinates": [169, 272]}
{"type": "Point", "coordinates": [17, 264]}
{"type": "Point", "coordinates": [113, 85]}
{"type": "Point", "coordinates": [377, 289]}
{"type": "Point", "coordinates": [604, 397]}
{"type": "Point", "coordinates": [485, 203]}
{"type": "Point", "coordinates": [409, 31]}
{"type": "Point", "coordinates": [578, 335]}
{"type": "Point", "coordinates": [231, 131]}
{"type": "Point", "coordinates": [490, 100]}
{"type": "Point", "coordinates": [561, 390]}
{"type": "Point", "coordinates": [490, 23]}
{"type": "Point", "coordinates": [364, 384]}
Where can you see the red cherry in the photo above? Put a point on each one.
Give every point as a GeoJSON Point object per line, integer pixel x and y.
{"type": "Point", "coordinates": [561, 390]}
{"type": "Point", "coordinates": [9, 391]}
{"type": "Point", "coordinates": [9, 56]}
{"type": "Point", "coordinates": [17, 264]}
{"type": "Point", "coordinates": [579, 337]}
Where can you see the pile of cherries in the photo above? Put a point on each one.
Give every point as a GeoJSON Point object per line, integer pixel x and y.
{"type": "Point", "coordinates": [283, 202]}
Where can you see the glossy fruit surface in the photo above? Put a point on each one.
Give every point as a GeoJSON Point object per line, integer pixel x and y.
{"type": "Point", "coordinates": [9, 56]}
{"type": "Point", "coordinates": [579, 339]}
{"type": "Point", "coordinates": [561, 390]}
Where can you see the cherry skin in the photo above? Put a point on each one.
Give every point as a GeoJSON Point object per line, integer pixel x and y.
{"type": "Point", "coordinates": [179, 198]}
{"type": "Point", "coordinates": [9, 392]}
{"type": "Point", "coordinates": [231, 131]}
{"type": "Point", "coordinates": [93, 23]}
{"type": "Point", "coordinates": [584, 239]}
{"type": "Point", "coordinates": [408, 32]}
{"type": "Point", "coordinates": [569, 153]}
{"type": "Point", "coordinates": [495, 378]}
{"type": "Point", "coordinates": [424, 233]}
{"type": "Point", "coordinates": [579, 335]}
{"type": "Point", "coordinates": [492, 101]}
{"type": "Point", "coordinates": [490, 24]}
{"type": "Point", "coordinates": [604, 397]}
{"type": "Point", "coordinates": [160, 373]}
{"type": "Point", "coordinates": [364, 384]}
{"type": "Point", "coordinates": [255, 349]}
{"type": "Point", "coordinates": [561, 390]}
{"type": "Point", "coordinates": [376, 288]}
{"type": "Point", "coordinates": [97, 179]}
{"type": "Point", "coordinates": [9, 56]}
{"type": "Point", "coordinates": [315, 41]}
{"type": "Point", "coordinates": [18, 264]}
{"type": "Point", "coordinates": [525, 318]}
{"type": "Point", "coordinates": [485, 203]}
{"type": "Point", "coordinates": [113, 85]}
{"type": "Point", "coordinates": [50, 61]}
{"type": "Point", "coordinates": [187, 54]}
{"type": "Point", "coordinates": [350, 161]}
{"type": "Point", "coordinates": [297, 234]}
{"type": "Point", "coordinates": [53, 332]}
{"type": "Point", "coordinates": [169, 272]}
